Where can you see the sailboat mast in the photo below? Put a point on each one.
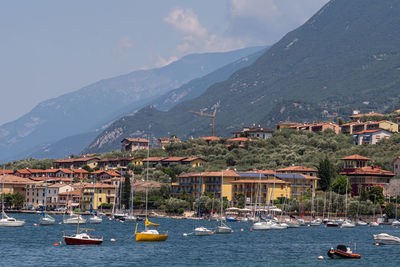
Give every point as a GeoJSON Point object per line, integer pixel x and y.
{"type": "Point", "coordinates": [345, 211]}
{"type": "Point", "coordinates": [92, 205]}
{"type": "Point", "coordinates": [132, 182]}
{"type": "Point", "coordinates": [222, 200]}
{"type": "Point", "coordinates": [2, 193]}
{"type": "Point", "coordinates": [147, 172]}
{"type": "Point", "coordinates": [199, 195]}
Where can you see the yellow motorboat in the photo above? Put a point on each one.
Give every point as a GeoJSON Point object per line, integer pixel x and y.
{"type": "Point", "coordinates": [150, 235]}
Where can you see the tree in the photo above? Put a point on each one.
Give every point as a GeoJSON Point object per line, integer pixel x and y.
{"type": "Point", "coordinates": [17, 200]}
{"type": "Point", "coordinates": [389, 210]}
{"type": "Point", "coordinates": [326, 172]}
{"type": "Point", "coordinates": [339, 184]}
{"type": "Point", "coordinates": [375, 194]}
{"type": "Point", "coordinates": [126, 192]}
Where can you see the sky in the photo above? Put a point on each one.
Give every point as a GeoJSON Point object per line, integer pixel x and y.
{"type": "Point", "coordinates": [49, 48]}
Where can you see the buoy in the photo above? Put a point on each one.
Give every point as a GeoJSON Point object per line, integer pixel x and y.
{"type": "Point", "coordinates": [376, 244]}
{"type": "Point", "coordinates": [212, 233]}
{"type": "Point", "coordinates": [113, 240]}
{"type": "Point", "coordinates": [35, 224]}
{"type": "Point", "coordinates": [251, 229]}
{"type": "Point", "coordinates": [184, 234]}
{"type": "Point", "coordinates": [397, 227]}
{"type": "Point", "coordinates": [325, 226]}
{"type": "Point", "coordinates": [241, 229]}
{"type": "Point", "coordinates": [56, 244]}
{"type": "Point", "coordinates": [59, 223]}
{"type": "Point", "coordinates": [308, 225]}
{"type": "Point", "coordinates": [320, 257]}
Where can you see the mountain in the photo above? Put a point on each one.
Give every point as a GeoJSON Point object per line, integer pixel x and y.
{"type": "Point", "coordinates": [345, 57]}
{"type": "Point", "coordinates": [88, 109]}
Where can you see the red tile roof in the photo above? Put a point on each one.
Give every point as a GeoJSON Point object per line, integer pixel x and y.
{"type": "Point", "coordinates": [12, 179]}
{"type": "Point", "coordinates": [71, 193]}
{"type": "Point", "coordinates": [261, 171]}
{"type": "Point", "coordinates": [23, 171]}
{"type": "Point", "coordinates": [154, 159]}
{"type": "Point", "coordinates": [367, 114]}
{"type": "Point", "coordinates": [297, 168]}
{"type": "Point", "coordinates": [356, 157]}
{"type": "Point", "coordinates": [369, 170]}
{"type": "Point", "coordinates": [71, 160]}
{"type": "Point", "coordinates": [173, 159]}
{"type": "Point", "coordinates": [138, 140]}
{"type": "Point", "coordinates": [211, 138]}
{"type": "Point", "coordinates": [98, 185]}
{"type": "Point", "coordinates": [227, 173]}
{"type": "Point", "coordinates": [6, 171]}
{"type": "Point", "coordinates": [371, 131]}
{"type": "Point", "coordinates": [239, 139]}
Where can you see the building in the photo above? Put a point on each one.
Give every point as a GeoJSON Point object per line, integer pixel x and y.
{"type": "Point", "coordinates": [285, 125]}
{"type": "Point", "coordinates": [396, 166]}
{"type": "Point", "coordinates": [240, 141]}
{"type": "Point", "coordinates": [317, 127]}
{"type": "Point", "coordinates": [254, 132]}
{"type": "Point", "coordinates": [101, 193]}
{"type": "Point", "coordinates": [14, 184]}
{"type": "Point", "coordinates": [70, 199]}
{"type": "Point", "coordinates": [210, 183]}
{"type": "Point", "coordinates": [76, 163]}
{"type": "Point", "coordinates": [53, 190]}
{"type": "Point", "coordinates": [354, 127]}
{"type": "Point", "coordinates": [259, 188]}
{"type": "Point", "coordinates": [211, 139]}
{"type": "Point", "coordinates": [133, 144]}
{"type": "Point", "coordinates": [105, 175]}
{"type": "Point", "coordinates": [362, 176]}
{"type": "Point", "coordinates": [167, 161]}
{"type": "Point", "coordinates": [35, 192]}
{"type": "Point", "coordinates": [370, 136]}
{"type": "Point", "coordinates": [114, 163]}
{"type": "Point", "coordinates": [298, 170]}
{"type": "Point", "coordinates": [301, 179]}
{"type": "Point", "coordinates": [168, 140]}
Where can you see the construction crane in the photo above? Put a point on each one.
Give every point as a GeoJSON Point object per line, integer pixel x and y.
{"type": "Point", "coordinates": [212, 116]}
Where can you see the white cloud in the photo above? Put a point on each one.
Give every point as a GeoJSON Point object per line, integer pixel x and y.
{"type": "Point", "coordinates": [196, 38]}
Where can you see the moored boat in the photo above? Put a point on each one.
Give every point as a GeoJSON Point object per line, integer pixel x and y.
{"type": "Point", "coordinates": [332, 224]}
{"type": "Point", "coordinates": [348, 224]}
{"type": "Point", "coordinates": [361, 223]}
{"type": "Point", "coordinates": [82, 239]}
{"type": "Point", "coordinates": [74, 219]}
{"type": "Point", "coordinates": [386, 239]}
{"type": "Point", "coordinates": [6, 221]}
{"type": "Point", "coordinates": [47, 220]}
{"type": "Point", "coordinates": [342, 252]}
{"type": "Point", "coordinates": [373, 224]}
{"type": "Point", "coordinates": [95, 219]}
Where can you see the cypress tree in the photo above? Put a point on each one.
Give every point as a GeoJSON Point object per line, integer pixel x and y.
{"type": "Point", "coordinates": [126, 191]}
{"type": "Point", "coordinates": [326, 173]}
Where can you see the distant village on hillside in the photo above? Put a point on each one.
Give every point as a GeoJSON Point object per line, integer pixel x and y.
{"type": "Point", "coordinates": [76, 180]}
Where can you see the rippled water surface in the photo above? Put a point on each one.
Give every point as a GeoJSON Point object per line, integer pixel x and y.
{"type": "Point", "coordinates": [34, 246]}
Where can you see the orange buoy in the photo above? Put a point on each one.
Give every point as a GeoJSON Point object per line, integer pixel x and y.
{"type": "Point", "coordinates": [212, 233]}
{"type": "Point", "coordinates": [241, 229]}
{"type": "Point", "coordinates": [56, 244]}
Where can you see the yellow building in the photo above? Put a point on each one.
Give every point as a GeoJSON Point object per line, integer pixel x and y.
{"type": "Point", "coordinates": [14, 184]}
{"type": "Point", "coordinates": [103, 193]}
{"type": "Point", "coordinates": [301, 179]}
{"type": "Point", "coordinates": [210, 183]}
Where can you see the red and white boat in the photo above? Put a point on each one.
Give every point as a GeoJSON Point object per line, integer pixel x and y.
{"type": "Point", "coordinates": [82, 239]}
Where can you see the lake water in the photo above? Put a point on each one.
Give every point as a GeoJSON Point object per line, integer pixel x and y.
{"type": "Point", "coordinates": [33, 246]}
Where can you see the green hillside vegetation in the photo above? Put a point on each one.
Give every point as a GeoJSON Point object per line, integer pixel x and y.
{"type": "Point", "coordinates": [345, 57]}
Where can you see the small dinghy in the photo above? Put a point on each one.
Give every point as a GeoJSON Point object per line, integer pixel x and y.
{"type": "Point", "coordinates": [342, 252]}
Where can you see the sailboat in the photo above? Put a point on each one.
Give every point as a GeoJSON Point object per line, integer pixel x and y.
{"type": "Point", "coordinates": [82, 238]}
{"type": "Point", "coordinates": [94, 219]}
{"type": "Point", "coordinates": [46, 219]}
{"type": "Point", "coordinates": [331, 223]}
{"type": "Point", "coordinates": [149, 235]}
{"type": "Point", "coordinates": [201, 230]}
{"type": "Point", "coordinates": [222, 228]}
{"type": "Point", "coordinates": [5, 220]}
{"type": "Point", "coordinates": [375, 223]}
{"type": "Point", "coordinates": [347, 223]}
{"type": "Point", "coordinates": [131, 217]}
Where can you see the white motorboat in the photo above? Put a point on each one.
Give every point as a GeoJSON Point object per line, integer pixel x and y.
{"type": "Point", "coordinates": [340, 221]}
{"type": "Point", "coordinates": [252, 219]}
{"type": "Point", "coordinates": [244, 219]}
{"type": "Point", "coordinates": [269, 225]}
{"type": "Point", "coordinates": [373, 224]}
{"type": "Point", "coordinates": [47, 220]}
{"type": "Point", "coordinates": [292, 224]}
{"type": "Point", "coordinates": [385, 239]}
{"type": "Point", "coordinates": [348, 224]}
{"type": "Point", "coordinates": [332, 224]}
{"type": "Point", "coordinates": [202, 231]}
{"type": "Point", "coordinates": [396, 223]}
{"type": "Point", "coordinates": [316, 222]}
{"type": "Point", "coordinates": [74, 219]}
{"type": "Point", "coordinates": [129, 218]}
{"type": "Point", "coordinates": [6, 221]}
{"type": "Point", "coordinates": [95, 219]}
{"type": "Point", "coordinates": [361, 223]}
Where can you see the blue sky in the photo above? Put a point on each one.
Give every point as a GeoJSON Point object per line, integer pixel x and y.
{"type": "Point", "coordinates": [49, 47]}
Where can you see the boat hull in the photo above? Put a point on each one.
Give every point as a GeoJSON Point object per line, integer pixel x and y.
{"type": "Point", "coordinates": [223, 230]}
{"type": "Point", "coordinates": [143, 237]}
{"type": "Point", "coordinates": [12, 224]}
{"type": "Point", "coordinates": [78, 241]}
{"type": "Point", "coordinates": [46, 221]}
{"type": "Point", "coordinates": [338, 254]}
{"type": "Point", "coordinates": [385, 239]}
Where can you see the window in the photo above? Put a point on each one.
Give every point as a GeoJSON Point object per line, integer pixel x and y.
{"type": "Point", "coordinates": [100, 199]}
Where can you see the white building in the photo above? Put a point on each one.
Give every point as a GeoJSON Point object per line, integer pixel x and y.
{"type": "Point", "coordinates": [53, 191]}
{"type": "Point", "coordinates": [35, 192]}
{"type": "Point", "coordinates": [370, 136]}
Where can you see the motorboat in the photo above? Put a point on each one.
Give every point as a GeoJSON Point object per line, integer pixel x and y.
{"type": "Point", "coordinates": [396, 223]}
{"type": "Point", "coordinates": [342, 252]}
{"type": "Point", "coordinates": [292, 224]}
{"type": "Point", "coordinates": [268, 225]}
{"type": "Point", "coordinates": [373, 224]}
{"type": "Point", "coordinates": [82, 239]}
{"type": "Point", "coordinates": [252, 219]}
{"type": "Point", "coordinates": [129, 218]}
{"type": "Point", "coordinates": [95, 219]}
{"type": "Point", "coordinates": [361, 223]}
{"type": "Point", "coordinates": [385, 239]}
{"type": "Point", "coordinates": [231, 219]}
{"type": "Point", "coordinates": [244, 219]}
{"type": "Point", "coordinates": [340, 221]}
{"type": "Point", "coordinates": [202, 231]}
{"type": "Point", "coordinates": [316, 222]}
{"type": "Point", "coordinates": [74, 219]}
{"type": "Point", "coordinates": [332, 224]}
{"type": "Point", "coordinates": [47, 220]}
{"type": "Point", "coordinates": [6, 221]}
{"type": "Point", "coordinates": [348, 224]}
